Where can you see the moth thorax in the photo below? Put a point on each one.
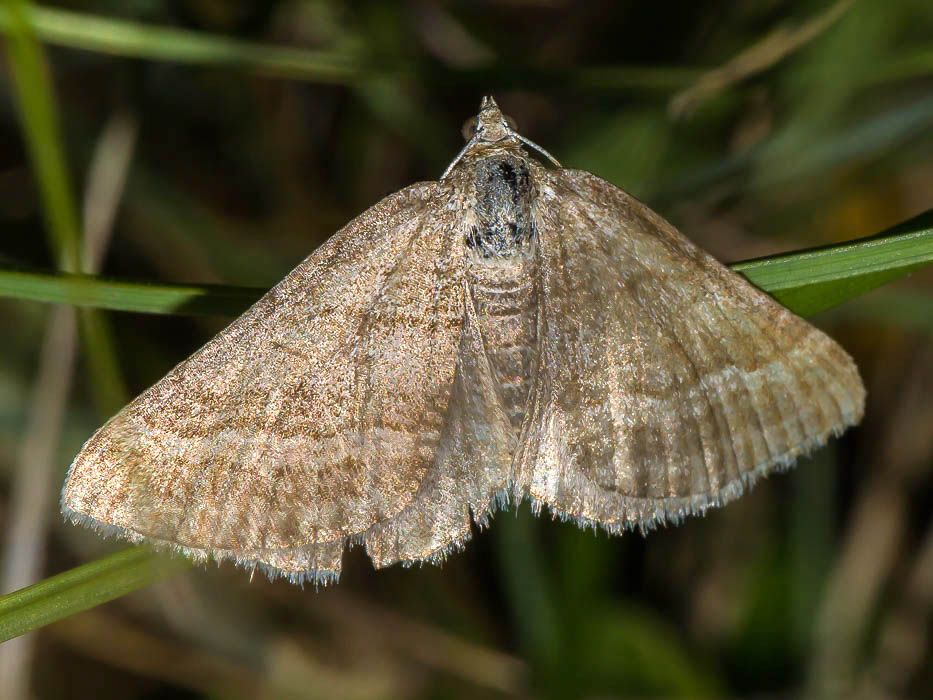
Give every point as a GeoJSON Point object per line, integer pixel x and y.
{"type": "Point", "coordinates": [502, 225]}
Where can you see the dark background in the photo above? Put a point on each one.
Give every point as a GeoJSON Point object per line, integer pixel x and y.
{"type": "Point", "coordinates": [819, 581]}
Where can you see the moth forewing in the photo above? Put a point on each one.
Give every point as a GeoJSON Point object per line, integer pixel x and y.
{"type": "Point", "coordinates": [512, 331]}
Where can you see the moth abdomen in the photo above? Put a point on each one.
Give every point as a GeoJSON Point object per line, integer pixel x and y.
{"type": "Point", "coordinates": [506, 302]}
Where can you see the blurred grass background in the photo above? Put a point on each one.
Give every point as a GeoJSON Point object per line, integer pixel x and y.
{"type": "Point", "coordinates": [219, 141]}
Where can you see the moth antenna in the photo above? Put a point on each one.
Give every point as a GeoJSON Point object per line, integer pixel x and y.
{"type": "Point", "coordinates": [511, 132]}
{"type": "Point", "coordinates": [460, 155]}
{"type": "Point", "coordinates": [529, 142]}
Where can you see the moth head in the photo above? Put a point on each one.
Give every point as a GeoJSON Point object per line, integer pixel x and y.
{"type": "Point", "coordinates": [490, 124]}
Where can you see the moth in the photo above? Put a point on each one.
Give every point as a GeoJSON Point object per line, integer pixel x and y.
{"type": "Point", "coordinates": [509, 332]}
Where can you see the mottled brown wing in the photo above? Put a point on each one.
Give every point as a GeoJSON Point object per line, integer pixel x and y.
{"type": "Point", "coordinates": [313, 417]}
{"type": "Point", "coordinates": [666, 383]}
{"type": "Point", "coordinates": [470, 475]}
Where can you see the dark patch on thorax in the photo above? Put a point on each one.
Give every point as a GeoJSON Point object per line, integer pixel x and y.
{"type": "Point", "coordinates": [504, 194]}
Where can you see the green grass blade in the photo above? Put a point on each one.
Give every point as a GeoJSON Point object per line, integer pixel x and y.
{"type": "Point", "coordinates": [39, 118]}
{"type": "Point", "coordinates": [38, 113]}
{"type": "Point", "coordinates": [123, 295]}
{"type": "Point", "coordinates": [125, 38]}
{"type": "Point", "coordinates": [811, 281]}
{"type": "Point", "coordinates": [81, 588]}
{"type": "Point", "coordinates": [806, 281]}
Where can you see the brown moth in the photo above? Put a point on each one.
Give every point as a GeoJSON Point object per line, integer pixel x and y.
{"type": "Point", "coordinates": [510, 331]}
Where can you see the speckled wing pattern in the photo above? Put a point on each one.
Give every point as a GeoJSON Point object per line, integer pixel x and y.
{"type": "Point", "coordinates": [509, 332]}
{"type": "Point", "coordinates": [311, 421]}
{"type": "Point", "coordinates": [666, 383]}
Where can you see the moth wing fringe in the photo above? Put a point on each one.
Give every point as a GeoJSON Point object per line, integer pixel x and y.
{"type": "Point", "coordinates": [672, 511]}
